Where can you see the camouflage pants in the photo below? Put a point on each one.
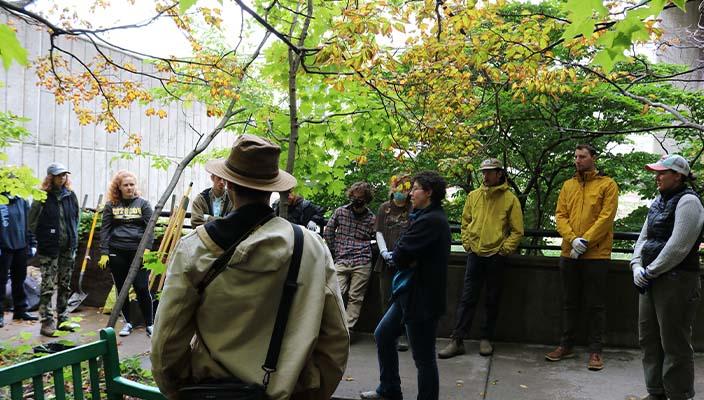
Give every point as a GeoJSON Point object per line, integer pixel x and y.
{"type": "Point", "coordinates": [56, 273]}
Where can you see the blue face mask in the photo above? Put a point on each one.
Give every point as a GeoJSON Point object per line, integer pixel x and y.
{"type": "Point", "coordinates": [398, 196]}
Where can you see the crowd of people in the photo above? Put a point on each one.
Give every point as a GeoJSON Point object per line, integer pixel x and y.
{"type": "Point", "coordinates": [230, 305]}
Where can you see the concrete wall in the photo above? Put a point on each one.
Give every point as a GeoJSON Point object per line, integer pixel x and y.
{"type": "Point", "coordinates": [531, 304]}
{"type": "Point", "coordinates": [89, 151]}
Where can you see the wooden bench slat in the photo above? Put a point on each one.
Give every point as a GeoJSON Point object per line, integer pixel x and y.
{"type": "Point", "coordinates": [77, 381]}
{"type": "Point", "coordinates": [38, 386]}
{"type": "Point", "coordinates": [59, 388]}
{"type": "Point", "coordinates": [16, 391]}
{"type": "Point", "coordinates": [94, 379]}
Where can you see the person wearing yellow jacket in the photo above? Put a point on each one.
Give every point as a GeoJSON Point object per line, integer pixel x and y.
{"type": "Point", "coordinates": [585, 213]}
{"type": "Point", "coordinates": [492, 227]}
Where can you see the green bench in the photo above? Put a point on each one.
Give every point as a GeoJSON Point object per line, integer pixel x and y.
{"type": "Point", "coordinates": [105, 348]}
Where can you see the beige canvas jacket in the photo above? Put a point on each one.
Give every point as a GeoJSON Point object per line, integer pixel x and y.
{"type": "Point", "coordinates": [233, 320]}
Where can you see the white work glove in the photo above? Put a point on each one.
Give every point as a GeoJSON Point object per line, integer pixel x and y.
{"type": "Point", "coordinates": [312, 226]}
{"type": "Point", "coordinates": [32, 251]}
{"type": "Point", "coordinates": [574, 254]}
{"type": "Point", "coordinates": [207, 217]}
{"type": "Point", "coordinates": [580, 245]}
{"type": "Point", "coordinates": [388, 256]}
{"type": "Point", "coordinates": [639, 277]}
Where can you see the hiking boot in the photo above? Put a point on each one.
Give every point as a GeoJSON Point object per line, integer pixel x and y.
{"type": "Point", "coordinates": [560, 353]}
{"type": "Point", "coordinates": [595, 362]}
{"type": "Point", "coordinates": [48, 328]}
{"type": "Point", "coordinates": [655, 397]}
{"type": "Point", "coordinates": [68, 326]}
{"type": "Point", "coordinates": [402, 344]}
{"type": "Point", "coordinates": [126, 329]}
{"type": "Point", "coordinates": [371, 395]}
{"type": "Point", "coordinates": [485, 348]}
{"type": "Point", "coordinates": [455, 348]}
{"type": "Point", "coordinates": [150, 330]}
{"type": "Point", "coordinates": [24, 316]}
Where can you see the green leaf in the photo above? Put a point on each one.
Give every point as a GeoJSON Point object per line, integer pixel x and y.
{"type": "Point", "coordinates": [10, 48]}
{"type": "Point", "coordinates": [184, 5]}
{"type": "Point", "coordinates": [680, 4]}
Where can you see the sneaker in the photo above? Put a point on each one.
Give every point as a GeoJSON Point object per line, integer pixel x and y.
{"type": "Point", "coordinates": [560, 353]}
{"type": "Point", "coordinates": [371, 395]}
{"type": "Point", "coordinates": [126, 329]}
{"type": "Point", "coordinates": [48, 328]}
{"type": "Point", "coordinates": [402, 344]}
{"type": "Point", "coordinates": [68, 326]}
{"type": "Point", "coordinates": [150, 330]}
{"type": "Point", "coordinates": [455, 348]}
{"type": "Point", "coordinates": [24, 316]}
{"type": "Point", "coordinates": [485, 348]}
{"type": "Point", "coordinates": [595, 362]}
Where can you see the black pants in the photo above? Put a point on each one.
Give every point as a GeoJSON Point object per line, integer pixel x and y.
{"type": "Point", "coordinates": [120, 261]}
{"type": "Point", "coordinates": [14, 262]}
{"type": "Point", "coordinates": [583, 279]}
{"type": "Point", "coordinates": [480, 270]}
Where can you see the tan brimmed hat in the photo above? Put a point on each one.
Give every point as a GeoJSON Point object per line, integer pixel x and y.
{"type": "Point", "coordinates": [253, 163]}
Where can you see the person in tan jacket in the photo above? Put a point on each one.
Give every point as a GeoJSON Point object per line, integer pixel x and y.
{"type": "Point", "coordinates": [585, 213]}
{"type": "Point", "coordinates": [212, 203]}
{"type": "Point", "coordinates": [225, 331]}
{"type": "Point", "coordinates": [492, 228]}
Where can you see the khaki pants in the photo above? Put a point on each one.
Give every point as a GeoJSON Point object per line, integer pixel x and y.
{"type": "Point", "coordinates": [353, 281]}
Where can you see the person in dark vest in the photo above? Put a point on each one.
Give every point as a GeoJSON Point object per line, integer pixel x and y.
{"type": "Point", "coordinates": [54, 222]}
{"type": "Point", "coordinates": [212, 203]}
{"type": "Point", "coordinates": [303, 212]}
{"type": "Point", "coordinates": [125, 219]}
{"type": "Point", "coordinates": [16, 244]}
{"type": "Point", "coordinates": [665, 268]}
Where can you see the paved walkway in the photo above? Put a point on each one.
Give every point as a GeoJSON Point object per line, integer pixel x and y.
{"type": "Point", "coordinates": [514, 372]}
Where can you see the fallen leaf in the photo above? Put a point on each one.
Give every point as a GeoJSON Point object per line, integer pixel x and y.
{"type": "Point", "coordinates": [349, 379]}
{"type": "Point", "coordinates": [524, 386]}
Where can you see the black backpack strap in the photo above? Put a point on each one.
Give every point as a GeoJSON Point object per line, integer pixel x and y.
{"type": "Point", "coordinates": [220, 263]}
{"type": "Point", "coordinates": [290, 287]}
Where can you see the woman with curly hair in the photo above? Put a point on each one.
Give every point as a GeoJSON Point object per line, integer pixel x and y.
{"type": "Point", "coordinates": [418, 292]}
{"type": "Point", "coordinates": [54, 222]}
{"type": "Point", "coordinates": [125, 218]}
{"type": "Point", "coordinates": [391, 222]}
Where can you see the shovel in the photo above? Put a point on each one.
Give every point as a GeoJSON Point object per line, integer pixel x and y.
{"type": "Point", "coordinates": [77, 298]}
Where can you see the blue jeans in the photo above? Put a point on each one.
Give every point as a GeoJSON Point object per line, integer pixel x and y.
{"type": "Point", "coordinates": [421, 337]}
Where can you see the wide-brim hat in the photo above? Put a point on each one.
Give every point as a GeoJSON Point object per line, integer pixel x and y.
{"type": "Point", "coordinates": [674, 162]}
{"type": "Point", "coordinates": [253, 163]}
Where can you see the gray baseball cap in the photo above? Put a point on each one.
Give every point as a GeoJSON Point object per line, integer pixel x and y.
{"type": "Point", "coordinates": [57, 169]}
{"type": "Point", "coordinates": [674, 162]}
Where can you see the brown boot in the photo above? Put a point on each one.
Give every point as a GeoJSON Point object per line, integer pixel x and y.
{"type": "Point", "coordinates": [560, 353]}
{"type": "Point", "coordinates": [48, 328]}
{"type": "Point", "coordinates": [595, 362]}
{"type": "Point", "coordinates": [455, 348]}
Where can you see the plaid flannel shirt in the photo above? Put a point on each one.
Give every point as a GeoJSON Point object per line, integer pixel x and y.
{"type": "Point", "coordinates": [349, 236]}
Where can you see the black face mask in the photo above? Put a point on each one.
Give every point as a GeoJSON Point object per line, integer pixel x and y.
{"type": "Point", "coordinates": [357, 203]}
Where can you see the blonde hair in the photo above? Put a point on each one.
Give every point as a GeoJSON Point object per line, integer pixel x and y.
{"type": "Point", "coordinates": [47, 184]}
{"type": "Point", "coordinates": [114, 195]}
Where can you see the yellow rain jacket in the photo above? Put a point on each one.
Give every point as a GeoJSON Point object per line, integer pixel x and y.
{"type": "Point", "coordinates": [492, 221]}
{"type": "Point", "coordinates": [586, 208]}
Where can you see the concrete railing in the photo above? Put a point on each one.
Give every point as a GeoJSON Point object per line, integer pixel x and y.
{"type": "Point", "coordinates": [530, 305]}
